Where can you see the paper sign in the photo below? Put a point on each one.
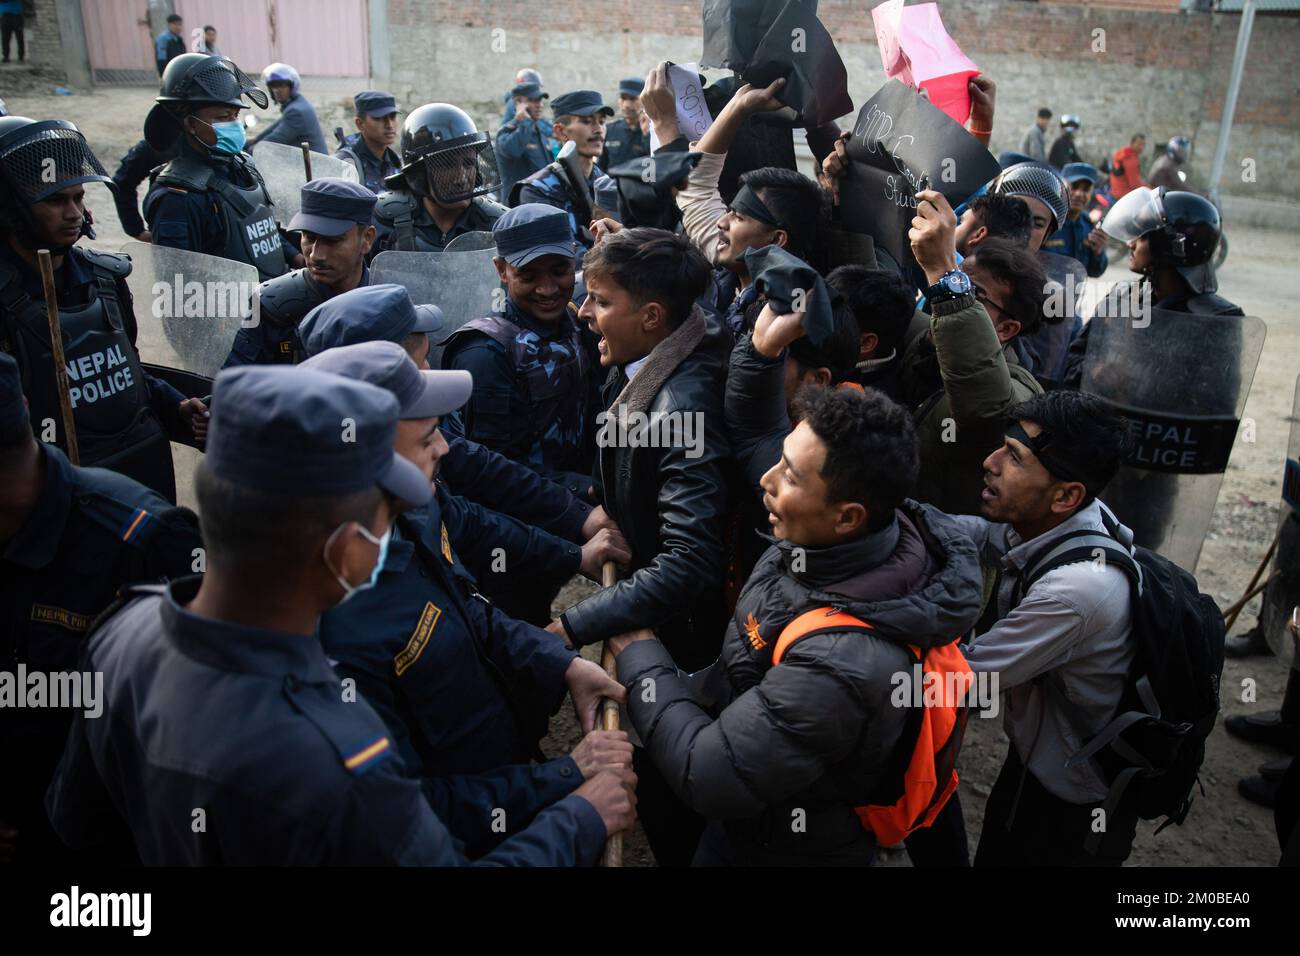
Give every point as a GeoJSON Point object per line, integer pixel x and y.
{"type": "Point", "coordinates": [899, 139]}
{"type": "Point", "coordinates": [916, 49]}
{"type": "Point", "coordinates": [693, 116]}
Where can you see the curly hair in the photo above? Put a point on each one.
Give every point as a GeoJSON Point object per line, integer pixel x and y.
{"type": "Point", "coordinates": [871, 450]}
{"type": "Point", "coordinates": [653, 265]}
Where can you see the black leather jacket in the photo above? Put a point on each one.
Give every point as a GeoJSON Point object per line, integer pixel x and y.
{"type": "Point", "coordinates": [671, 503]}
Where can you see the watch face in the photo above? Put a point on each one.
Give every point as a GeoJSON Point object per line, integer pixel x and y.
{"type": "Point", "coordinates": [957, 282]}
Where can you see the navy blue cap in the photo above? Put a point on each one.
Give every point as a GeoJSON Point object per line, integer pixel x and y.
{"type": "Point", "coordinates": [286, 430]}
{"type": "Point", "coordinates": [331, 206]}
{"type": "Point", "coordinates": [632, 86]}
{"type": "Point", "coordinates": [13, 408]}
{"type": "Point", "coordinates": [374, 103]}
{"type": "Point", "coordinates": [373, 313]}
{"type": "Point", "coordinates": [532, 91]}
{"type": "Point", "coordinates": [1073, 172]}
{"type": "Point", "coordinates": [580, 103]}
{"type": "Point", "coordinates": [531, 230]}
{"type": "Point", "coordinates": [420, 393]}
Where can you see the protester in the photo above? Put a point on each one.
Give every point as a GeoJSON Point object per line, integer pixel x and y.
{"type": "Point", "coordinates": [70, 538]}
{"type": "Point", "coordinates": [297, 123]}
{"type": "Point", "coordinates": [805, 730]}
{"type": "Point", "coordinates": [1060, 646]}
{"type": "Point", "coordinates": [1126, 167]}
{"type": "Point", "coordinates": [994, 216]}
{"type": "Point", "coordinates": [1077, 238]}
{"type": "Point", "coordinates": [1034, 143]}
{"type": "Point", "coordinates": [964, 375]}
{"type": "Point", "coordinates": [303, 775]}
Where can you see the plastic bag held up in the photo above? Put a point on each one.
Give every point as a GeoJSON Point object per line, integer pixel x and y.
{"type": "Point", "coordinates": [915, 48]}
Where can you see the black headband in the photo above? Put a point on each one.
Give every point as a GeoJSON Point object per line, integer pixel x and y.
{"type": "Point", "coordinates": [747, 201]}
{"type": "Point", "coordinates": [1059, 465]}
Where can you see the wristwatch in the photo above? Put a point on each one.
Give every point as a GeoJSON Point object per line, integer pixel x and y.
{"type": "Point", "coordinates": [951, 285]}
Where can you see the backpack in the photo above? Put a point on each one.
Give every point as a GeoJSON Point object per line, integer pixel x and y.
{"type": "Point", "coordinates": [1153, 748]}
{"type": "Point", "coordinates": [921, 778]}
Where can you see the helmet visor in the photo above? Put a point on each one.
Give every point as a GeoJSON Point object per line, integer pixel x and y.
{"type": "Point", "coordinates": [1135, 214]}
{"type": "Point", "coordinates": [462, 171]}
{"type": "Point", "coordinates": [49, 158]}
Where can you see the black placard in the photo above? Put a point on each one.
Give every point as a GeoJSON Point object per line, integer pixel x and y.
{"type": "Point", "coordinates": [898, 139]}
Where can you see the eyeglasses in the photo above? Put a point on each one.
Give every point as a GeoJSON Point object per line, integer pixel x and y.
{"type": "Point", "coordinates": [982, 295]}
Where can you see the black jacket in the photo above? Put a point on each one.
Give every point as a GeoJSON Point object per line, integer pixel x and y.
{"type": "Point", "coordinates": [670, 502]}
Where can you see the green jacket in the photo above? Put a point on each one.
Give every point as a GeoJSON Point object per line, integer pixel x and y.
{"type": "Point", "coordinates": [961, 382]}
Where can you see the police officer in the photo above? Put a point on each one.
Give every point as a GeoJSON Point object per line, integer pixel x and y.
{"type": "Point", "coordinates": [337, 233]}
{"type": "Point", "coordinates": [369, 149]}
{"type": "Point", "coordinates": [69, 539]}
{"type": "Point", "coordinates": [624, 140]}
{"type": "Point", "coordinates": [140, 160]}
{"type": "Point", "coordinates": [580, 119]}
{"type": "Point", "coordinates": [1064, 151]}
{"type": "Point", "coordinates": [220, 697]}
{"type": "Point", "coordinates": [495, 518]}
{"type": "Point", "coordinates": [524, 141]}
{"type": "Point", "coordinates": [211, 198]}
{"type": "Point", "coordinates": [464, 689]}
{"type": "Point", "coordinates": [1076, 238]}
{"type": "Point", "coordinates": [531, 364]}
{"type": "Point", "coordinates": [374, 313]}
{"type": "Point", "coordinates": [297, 123]}
{"type": "Point", "coordinates": [442, 190]}
{"type": "Point", "coordinates": [122, 415]}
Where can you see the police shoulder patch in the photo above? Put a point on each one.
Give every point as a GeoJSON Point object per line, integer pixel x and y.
{"type": "Point", "coordinates": [356, 735]}
{"type": "Point", "coordinates": [419, 637]}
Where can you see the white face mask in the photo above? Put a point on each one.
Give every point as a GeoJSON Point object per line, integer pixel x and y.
{"type": "Point", "coordinates": [350, 590]}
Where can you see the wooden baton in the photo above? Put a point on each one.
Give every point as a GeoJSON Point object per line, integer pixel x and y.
{"type": "Point", "coordinates": [613, 855]}
{"type": "Point", "coordinates": [56, 349]}
{"type": "Point", "coordinates": [306, 159]}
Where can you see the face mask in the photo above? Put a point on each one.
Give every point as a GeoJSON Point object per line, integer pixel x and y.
{"type": "Point", "coordinates": [350, 590]}
{"type": "Point", "coordinates": [230, 137]}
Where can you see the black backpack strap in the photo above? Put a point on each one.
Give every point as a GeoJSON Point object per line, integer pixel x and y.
{"type": "Point", "coordinates": [1073, 548]}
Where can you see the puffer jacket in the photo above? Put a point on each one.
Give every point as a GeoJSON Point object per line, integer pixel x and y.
{"type": "Point", "coordinates": [807, 741]}
{"type": "Point", "coordinates": [671, 503]}
{"type": "Point", "coordinates": [961, 382]}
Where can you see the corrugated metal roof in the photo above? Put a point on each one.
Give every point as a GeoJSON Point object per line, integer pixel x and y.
{"type": "Point", "coordinates": [1261, 6]}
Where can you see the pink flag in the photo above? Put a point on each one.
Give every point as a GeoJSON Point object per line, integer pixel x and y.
{"type": "Point", "coordinates": [915, 47]}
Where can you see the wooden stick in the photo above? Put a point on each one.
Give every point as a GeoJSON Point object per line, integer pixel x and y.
{"type": "Point", "coordinates": [1235, 609]}
{"type": "Point", "coordinates": [56, 349]}
{"type": "Point", "coordinates": [306, 159]}
{"type": "Point", "coordinates": [1268, 556]}
{"type": "Point", "coordinates": [609, 717]}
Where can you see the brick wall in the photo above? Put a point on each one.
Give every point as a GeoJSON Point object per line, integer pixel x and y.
{"type": "Point", "coordinates": [44, 47]}
{"type": "Point", "coordinates": [1159, 71]}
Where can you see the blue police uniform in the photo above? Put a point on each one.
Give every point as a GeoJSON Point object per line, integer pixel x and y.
{"type": "Point", "coordinates": [140, 160]}
{"type": "Point", "coordinates": [531, 378]}
{"type": "Point", "coordinates": [371, 169]}
{"type": "Point", "coordinates": [123, 415]}
{"type": "Point", "coordinates": [330, 207]}
{"type": "Point", "coordinates": [405, 225]}
{"type": "Point", "coordinates": [252, 728]}
{"type": "Point", "coordinates": [1069, 241]}
{"type": "Point", "coordinates": [523, 146]}
{"type": "Point", "coordinates": [217, 205]}
{"type": "Point", "coordinates": [89, 533]}
{"type": "Point", "coordinates": [297, 124]}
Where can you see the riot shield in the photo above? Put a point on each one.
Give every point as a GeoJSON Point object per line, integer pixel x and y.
{"type": "Point", "coordinates": [1181, 379]}
{"type": "Point", "coordinates": [188, 307]}
{"type": "Point", "coordinates": [471, 242]}
{"type": "Point", "coordinates": [464, 285]}
{"type": "Point", "coordinates": [1283, 591]}
{"type": "Point", "coordinates": [283, 171]}
{"type": "Point", "coordinates": [1066, 281]}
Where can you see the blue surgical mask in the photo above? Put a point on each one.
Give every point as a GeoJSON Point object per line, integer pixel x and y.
{"type": "Point", "coordinates": [230, 137]}
{"type": "Point", "coordinates": [350, 590]}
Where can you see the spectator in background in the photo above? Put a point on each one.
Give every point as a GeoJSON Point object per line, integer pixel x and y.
{"type": "Point", "coordinates": [297, 122]}
{"type": "Point", "coordinates": [1064, 150]}
{"type": "Point", "coordinates": [167, 45]}
{"type": "Point", "coordinates": [1126, 167]}
{"type": "Point", "coordinates": [1034, 142]}
{"type": "Point", "coordinates": [11, 25]}
{"type": "Point", "coordinates": [210, 41]}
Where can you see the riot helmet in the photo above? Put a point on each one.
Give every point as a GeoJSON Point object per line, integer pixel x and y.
{"type": "Point", "coordinates": [1183, 231]}
{"type": "Point", "coordinates": [444, 156]}
{"type": "Point", "coordinates": [192, 80]}
{"type": "Point", "coordinates": [40, 158]}
{"type": "Point", "coordinates": [1071, 122]}
{"type": "Point", "coordinates": [1037, 181]}
{"type": "Point", "coordinates": [1178, 149]}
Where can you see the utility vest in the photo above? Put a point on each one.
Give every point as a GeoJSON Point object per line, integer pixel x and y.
{"type": "Point", "coordinates": [553, 373]}
{"type": "Point", "coordinates": [283, 302]}
{"type": "Point", "coordinates": [249, 230]}
{"type": "Point", "coordinates": [395, 212]}
{"type": "Point", "coordinates": [116, 426]}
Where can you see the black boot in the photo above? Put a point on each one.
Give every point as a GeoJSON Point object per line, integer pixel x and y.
{"type": "Point", "coordinates": [1250, 644]}
{"type": "Point", "coordinates": [1263, 728]}
{"type": "Point", "coordinates": [1259, 790]}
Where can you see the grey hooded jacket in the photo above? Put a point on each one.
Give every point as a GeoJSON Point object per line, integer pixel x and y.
{"type": "Point", "coordinates": [787, 752]}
